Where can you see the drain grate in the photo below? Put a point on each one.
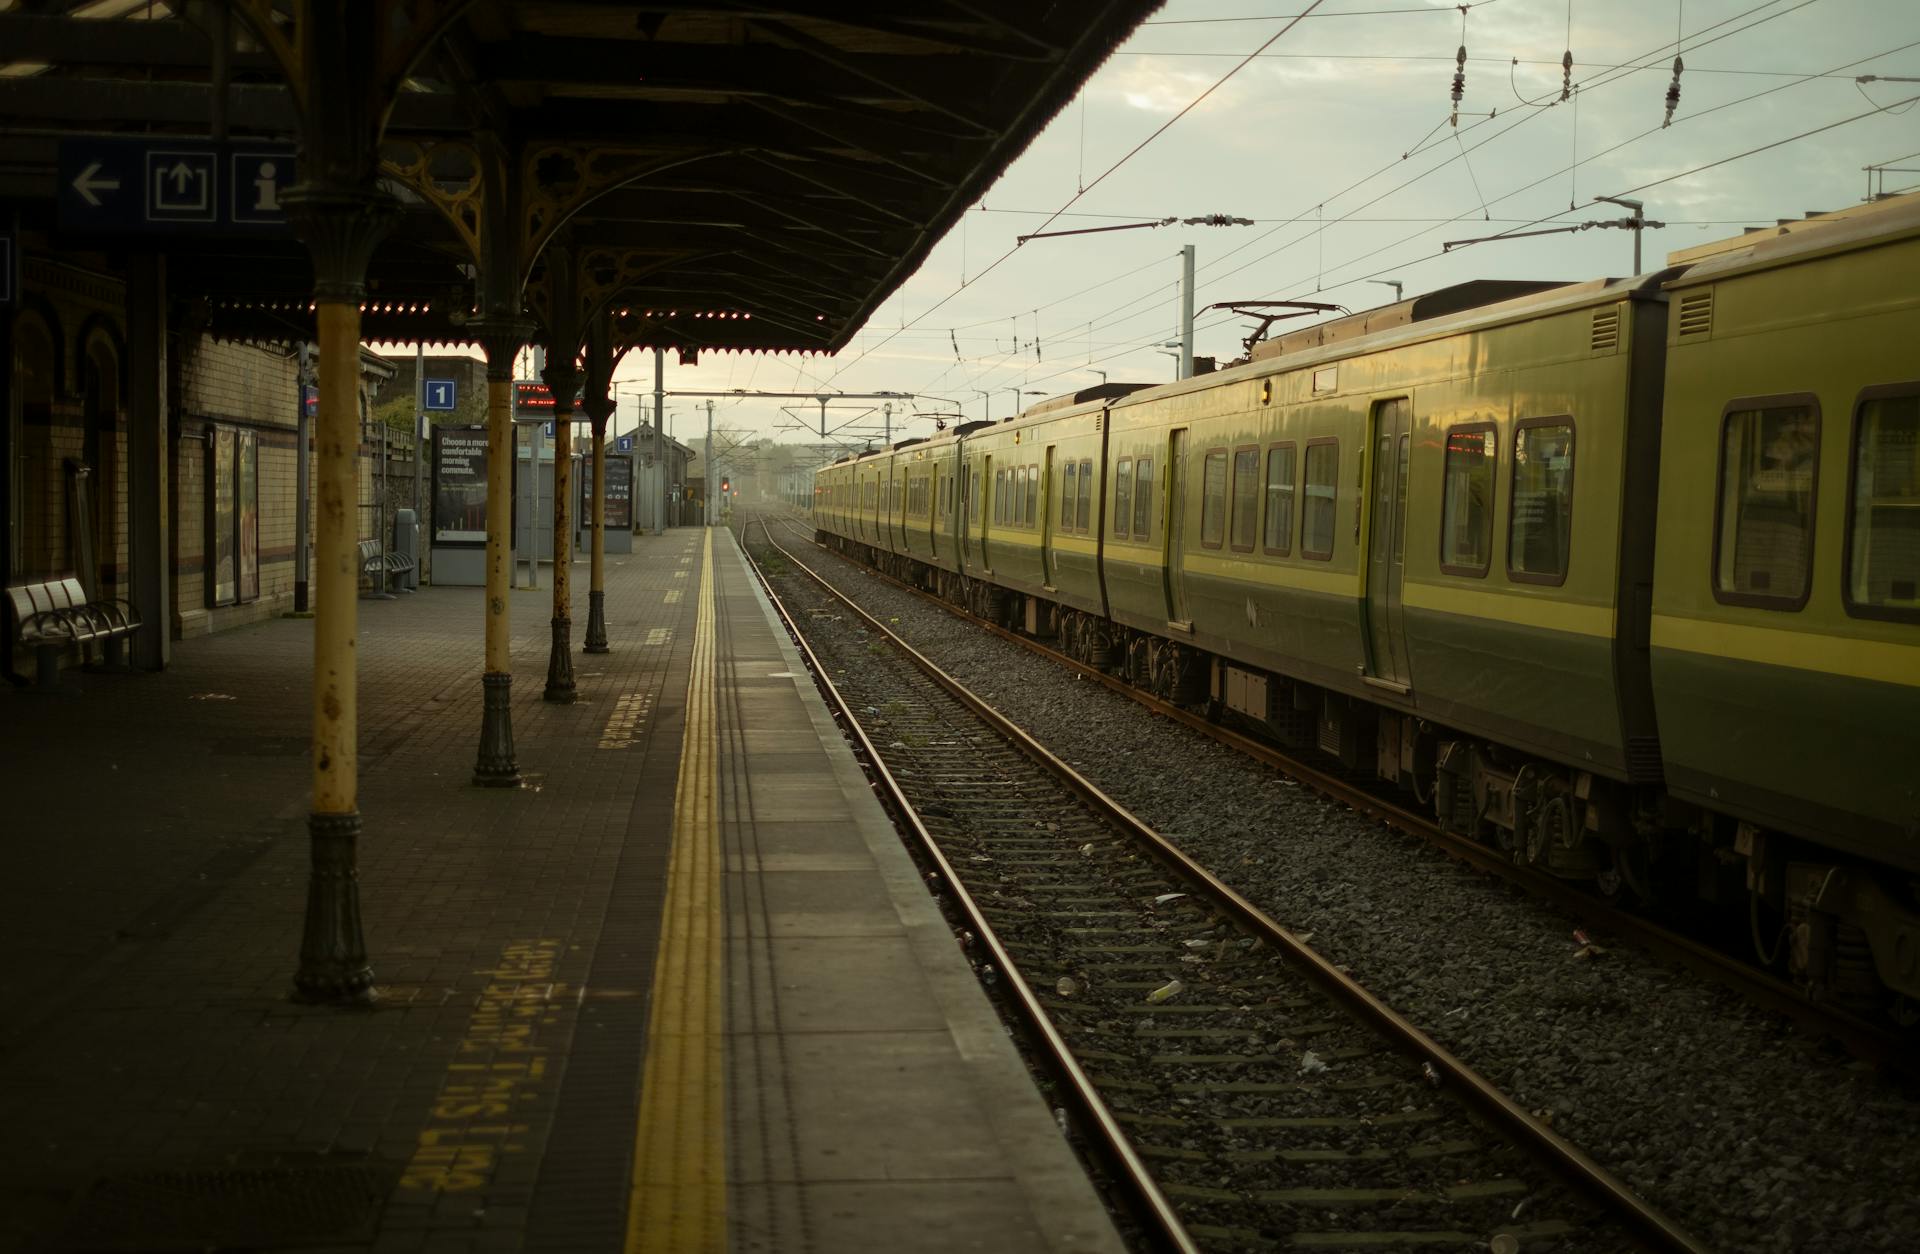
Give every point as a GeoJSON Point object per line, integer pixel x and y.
{"type": "Point", "coordinates": [227, 1208]}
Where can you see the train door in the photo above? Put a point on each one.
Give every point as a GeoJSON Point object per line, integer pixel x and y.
{"type": "Point", "coordinates": [1048, 566]}
{"type": "Point", "coordinates": [1387, 543]}
{"type": "Point", "coordinates": [964, 525]}
{"type": "Point", "coordinates": [897, 511]}
{"type": "Point", "coordinates": [1175, 527]}
{"type": "Point", "coordinates": [990, 501]}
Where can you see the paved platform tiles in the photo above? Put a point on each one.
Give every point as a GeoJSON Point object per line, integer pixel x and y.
{"type": "Point", "coordinates": [853, 1089]}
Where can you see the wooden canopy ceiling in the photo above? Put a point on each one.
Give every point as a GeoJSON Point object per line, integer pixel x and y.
{"type": "Point", "coordinates": [724, 176]}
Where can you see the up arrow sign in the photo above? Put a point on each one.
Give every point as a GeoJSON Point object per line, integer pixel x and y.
{"type": "Point", "coordinates": [87, 184]}
{"type": "Point", "coordinates": [182, 175]}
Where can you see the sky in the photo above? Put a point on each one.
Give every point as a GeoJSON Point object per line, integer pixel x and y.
{"type": "Point", "coordinates": [1339, 141]}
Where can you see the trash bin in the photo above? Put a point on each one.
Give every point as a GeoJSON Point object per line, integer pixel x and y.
{"type": "Point", "coordinates": [406, 543]}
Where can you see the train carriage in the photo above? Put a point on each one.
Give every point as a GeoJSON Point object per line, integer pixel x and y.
{"type": "Point", "coordinates": [1387, 509]}
{"type": "Point", "coordinates": [1619, 574]}
{"type": "Point", "coordinates": [1786, 618]}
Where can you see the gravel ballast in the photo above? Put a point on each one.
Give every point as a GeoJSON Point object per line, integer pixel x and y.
{"type": "Point", "coordinates": [1743, 1130]}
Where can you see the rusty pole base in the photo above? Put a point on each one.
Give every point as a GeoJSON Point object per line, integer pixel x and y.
{"type": "Point", "coordinates": [333, 949]}
{"type": "Point", "coordinates": [496, 767]}
{"type": "Point", "coordinates": [560, 689]}
{"type": "Point", "coordinates": [596, 624]}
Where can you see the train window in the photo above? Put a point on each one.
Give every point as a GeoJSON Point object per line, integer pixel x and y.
{"type": "Point", "coordinates": [1068, 481]}
{"type": "Point", "coordinates": [1033, 495]}
{"type": "Point", "coordinates": [1883, 516]}
{"type": "Point", "coordinates": [1280, 468]}
{"type": "Point", "coordinates": [1322, 490]}
{"type": "Point", "coordinates": [1083, 507]}
{"type": "Point", "coordinates": [1122, 496]}
{"type": "Point", "coordinates": [1540, 518]}
{"type": "Point", "coordinates": [1246, 498]}
{"type": "Point", "coordinates": [1466, 501]}
{"type": "Point", "coordinates": [1763, 535]}
{"type": "Point", "coordinates": [1142, 497]}
{"type": "Point", "coordinates": [1213, 498]}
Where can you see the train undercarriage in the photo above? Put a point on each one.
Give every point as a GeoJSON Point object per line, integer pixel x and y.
{"type": "Point", "coordinates": [1847, 932]}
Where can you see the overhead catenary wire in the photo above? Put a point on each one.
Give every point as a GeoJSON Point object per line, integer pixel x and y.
{"type": "Point", "coordinates": [1331, 277]}
{"type": "Point", "coordinates": [1605, 76]}
{"type": "Point", "coordinates": [1644, 61]}
{"type": "Point", "coordinates": [1121, 313]}
{"type": "Point", "coordinates": [1128, 156]}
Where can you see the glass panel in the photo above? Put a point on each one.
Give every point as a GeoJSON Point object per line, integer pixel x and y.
{"type": "Point", "coordinates": [1316, 516]}
{"type": "Point", "coordinates": [1885, 569]}
{"type": "Point", "coordinates": [1142, 497]}
{"type": "Point", "coordinates": [1466, 507]}
{"type": "Point", "coordinates": [1542, 525]}
{"type": "Point", "coordinates": [1280, 498]}
{"type": "Point", "coordinates": [221, 530]}
{"type": "Point", "coordinates": [247, 514]}
{"type": "Point", "coordinates": [1083, 507]}
{"type": "Point", "coordinates": [1067, 492]}
{"type": "Point", "coordinates": [1033, 495]}
{"type": "Point", "coordinates": [1122, 496]}
{"type": "Point", "coordinates": [1766, 502]}
{"type": "Point", "coordinates": [1246, 497]}
{"type": "Point", "coordinates": [1213, 499]}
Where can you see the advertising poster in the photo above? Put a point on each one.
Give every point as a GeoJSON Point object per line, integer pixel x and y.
{"type": "Point", "coordinates": [460, 485]}
{"type": "Point", "coordinates": [247, 512]}
{"type": "Point", "coordinates": [619, 493]}
{"type": "Point", "coordinates": [220, 516]}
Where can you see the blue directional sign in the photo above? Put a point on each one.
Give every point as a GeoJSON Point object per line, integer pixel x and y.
{"type": "Point", "coordinates": [623, 443]}
{"type": "Point", "coordinates": [171, 185]}
{"type": "Point", "coordinates": [440, 394]}
{"type": "Point", "coordinates": [549, 431]}
{"type": "Point", "coordinates": [7, 267]}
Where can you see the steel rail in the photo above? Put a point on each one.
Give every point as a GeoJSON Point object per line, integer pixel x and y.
{"type": "Point", "coordinates": [1646, 1222]}
{"type": "Point", "coordinates": [1860, 1037]}
{"type": "Point", "coordinates": [1152, 1204]}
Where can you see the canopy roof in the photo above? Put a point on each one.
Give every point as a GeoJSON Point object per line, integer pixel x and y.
{"type": "Point", "coordinates": [732, 175]}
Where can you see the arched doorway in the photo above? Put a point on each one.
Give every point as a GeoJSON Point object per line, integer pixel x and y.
{"type": "Point", "coordinates": [30, 422]}
{"type": "Point", "coordinates": [100, 393]}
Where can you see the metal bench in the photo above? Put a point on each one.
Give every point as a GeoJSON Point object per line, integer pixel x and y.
{"type": "Point", "coordinates": [379, 565]}
{"type": "Point", "coordinates": [55, 614]}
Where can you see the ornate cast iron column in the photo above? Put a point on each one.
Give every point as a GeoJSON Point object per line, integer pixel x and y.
{"type": "Point", "coordinates": [599, 406]}
{"type": "Point", "coordinates": [341, 227]}
{"type": "Point", "coordinates": [563, 380]}
{"type": "Point", "coordinates": [501, 337]}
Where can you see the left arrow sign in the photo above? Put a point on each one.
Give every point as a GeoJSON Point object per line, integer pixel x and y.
{"type": "Point", "coordinates": [86, 184]}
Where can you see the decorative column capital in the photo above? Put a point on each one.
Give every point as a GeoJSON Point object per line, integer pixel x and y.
{"type": "Point", "coordinates": [501, 336]}
{"type": "Point", "coordinates": [563, 381]}
{"type": "Point", "coordinates": [341, 226]}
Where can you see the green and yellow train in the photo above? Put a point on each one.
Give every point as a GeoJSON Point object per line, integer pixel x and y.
{"type": "Point", "coordinates": [1623, 575]}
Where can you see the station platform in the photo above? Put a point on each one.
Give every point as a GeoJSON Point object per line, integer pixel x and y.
{"type": "Point", "coordinates": [684, 990]}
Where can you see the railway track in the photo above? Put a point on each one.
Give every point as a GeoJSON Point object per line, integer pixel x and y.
{"type": "Point", "coordinates": [1866, 1040]}
{"type": "Point", "coordinates": [1246, 1092]}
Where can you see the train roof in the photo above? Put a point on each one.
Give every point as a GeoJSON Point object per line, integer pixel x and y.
{"type": "Point", "coordinates": [1543, 300]}
{"type": "Point", "coordinates": [1476, 294]}
{"type": "Point", "coordinates": [1799, 239]}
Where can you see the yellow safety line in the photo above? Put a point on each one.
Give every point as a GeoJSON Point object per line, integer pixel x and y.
{"type": "Point", "coordinates": [679, 1163]}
